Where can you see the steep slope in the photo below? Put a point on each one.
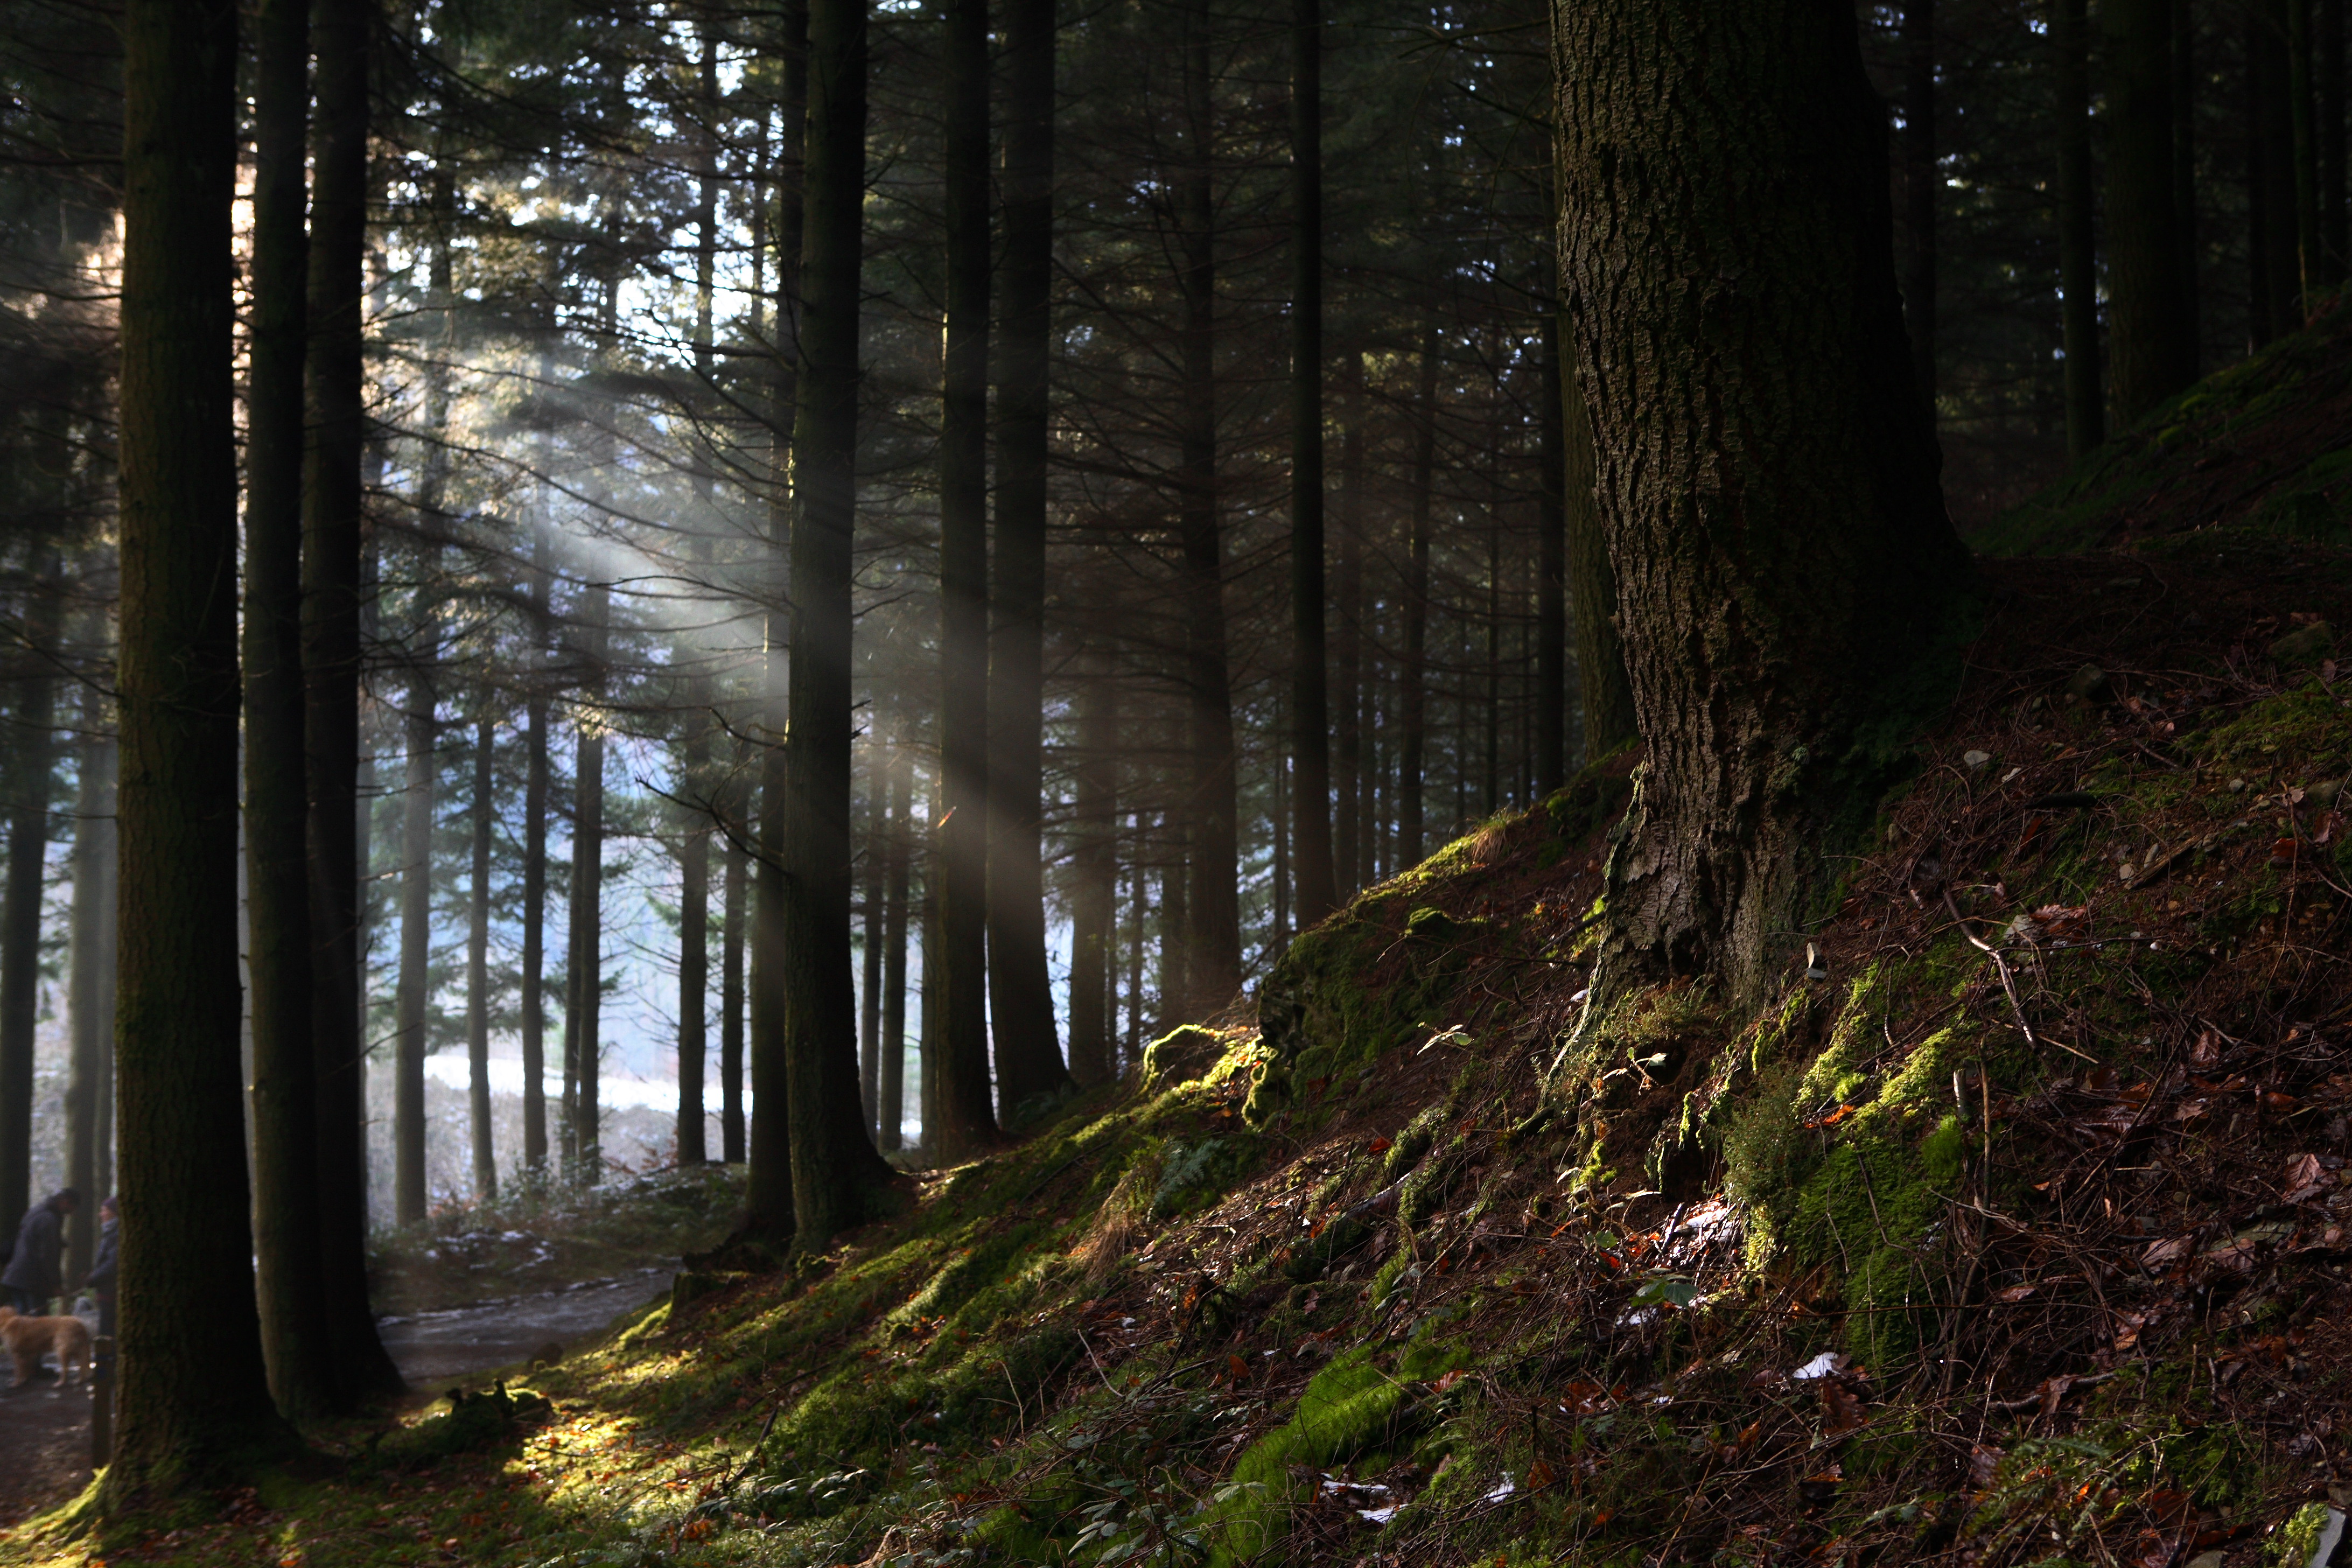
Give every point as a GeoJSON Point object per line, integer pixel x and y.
{"type": "Point", "coordinates": [2012, 1230]}
{"type": "Point", "coordinates": [2264, 447]}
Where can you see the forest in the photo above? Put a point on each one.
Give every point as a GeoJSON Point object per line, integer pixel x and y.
{"type": "Point", "coordinates": [1278, 775]}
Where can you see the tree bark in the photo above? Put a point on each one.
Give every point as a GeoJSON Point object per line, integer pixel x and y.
{"type": "Point", "coordinates": [898, 837]}
{"type": "Point", "coordinates": [869, 913]}
{"type": "Point", "coordinates": [731, 986]}
{"type": "Point", "coordinates": [2087, 408]}
{"type": "Point", "coordinates": [1605, 692]}
{"type": "Point", "coordinates": [478, 964]}
{"type": "Point", "coordinates": [534, 882]}
{"type": "Point", "coordinates": [1021, 998]}
{"type": "Point", "coordinates": [2154, 357]}
{"type": "Point", "coordinates": [1922, 180]}
{"type": "Point", "coordinates": [1208, 970]}
{"type": "Point", "coordinates": [2328, 51]}
{"type": "Point", "coordinates": [423, 729]}
{"type": "Point", "coordinates": [1768, 479]}
{"type": "Point", "coordinates": [194, 1404]}
{"type": "Point", "coordinates": [694, 848]}
{"type": "Point", "coordinates": [1094, 873]}
{"type": "Point", "coordinates": [32, 759]}
{"type": "Point", "coordinates": [2186, 46]}
{"type": "Point", "coordinates": [833, 1163]}
{"type": "Point", "coordinates": [966, 1124]}
{"type": "Point", "coordinates": [584, 995]}
{"type": "Point", "coordinates": [332, 594]}
{"type": "Point", "coordinates": [1309, 658]}
{"type": "Point", "coordinates": [286, 1167]}
{"type": "Point", "coordinates": [1412, 719]}
{"type": "Point", "coordinates": [89, 989]}
{"type": "Point", "coordinates": [1347, 859]}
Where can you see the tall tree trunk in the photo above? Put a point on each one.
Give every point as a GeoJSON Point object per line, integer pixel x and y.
{"type": "Point", "coordinates": [337, 422]}
{"type": "Point", "coordinates": [2304, 142]}
{"type": "Point", "coordinates": [1922, 180]}
{"type": "Point", "coordinates": [1094, 890]}
{"type": "Point", "coordinates": [966, 1122]}
{"type": "Point", "coordinates": [585, 1000]}
{"type": "Point", "coordinates": [1754, 586]}
{"type": "Point", "coordinates": [87, 956]}
{"type": "Point", "coordinates": [1347, 865]}
{"type": "Point", "coordinates": [834, 1161]}
{"type": "Point", "coordinates": [32, 759]}
{"type": "Point", "coordinates": [194, 1404]}
{"type": "Point", "coordinates": [694, 848]}
{"type": "Point", "coordinates": [2327, 57]}
{"type": "Point", "coordinates": [478, 964]}
{"type": "Point", "coordinates": [1412, 720]}
{"type": "Point", "coordinates": [731, 986]}
{"type": "Point", "coordinates": [2185, 57]}
{"type": "Point", "coordinates": [1551, 567]}
{"type": "Point", "coordinates": [534, 882]}
{"type": "Point", "coordinates": [2154, 355]}
{"type": "Point", "coordinates": [1139, 917]}
{"type": "Point", "coordinates": [1021, 996]}
{"type": "Point", "coordinates": [1310, 721]}
{"type": "Point", "coordinates": [898, 838]}
{"type": "Point", "coordinates": [870, 912]}
{"type": "Point", "coordinates": [286, 1126]}
{"type": "Point", "coordinates": [424, 730]}
{"type": "Point", "coordinates": [1208, 967]}
{"type": "Point", "coordinates": [2078, 261]}
{"type": "Point", "coordinates": [2274, 132]}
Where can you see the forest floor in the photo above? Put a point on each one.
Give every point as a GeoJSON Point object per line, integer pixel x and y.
{"type": "Point", "coordinates": [2012, 1229]}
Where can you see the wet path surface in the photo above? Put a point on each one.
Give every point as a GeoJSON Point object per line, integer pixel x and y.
{"type": "Point", "coordinates": [44, 1429]}
{"type": "Point", "coordinates": [432, 1348]}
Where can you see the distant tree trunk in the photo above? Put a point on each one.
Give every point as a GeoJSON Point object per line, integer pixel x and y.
{"type": "Point", "coordinates": [966, 1121]}
{"type": "Point", "coordinates": [32, 757]}
{"type": "Point", "coordinates": [534, 884]}
{"type": "Point", "coordinates": [2186, 47]}
{"type": "Point", "coordinates": [343, 31]}
{"type": "Point", "coordinates": [730, 988]}
{"type": "Point", "coordinates": [1309, 658]}
{"type": "Point", "coordinates": [1093, 874]}
{"type": "Point", "coordinates": [2155, 357]}
{"type": "Point", "coordinates": [1209, 965]}
{"type": "Point", "coordinates": [585, 999]}
{"type": "Point", "coordinates": [898, 838]}
{"type": "Point", "coordinates": [694, 850]}
{"type": "Point", "coordinates": [869, 915]}
{"type": "Point", "coordinates": [1921, 182]}
{"type": "Point", "coordinates": [2328, 51]}
{"type": "Point", "coordinates": [1020, 996]}
{"type": "Point", "coordinates": [2078, 261]}
{"type": "Point", "coordinates": [423, 732]}
{"type": "Point", "coordinates": [926, 1044]}
{"type": "Point", "coordinates": [2303, 139]}
{"type": "Point", "coordinates": [1175, 928]}
{"type": "Point", "coordinates": [1413, 721]}
{"type": "Point", "coordinates": [1139, 906]}
{"type": "Point", "coordinates": [1491, 774]}
{"type": "Point", "coordinates": [478, 964]}
{"type": "Point", "coordinates": [768, 1185]}
{"type": "Point", "coordinates": [286, 1170]}
{"type": "Point", "coordinates": [1347, 656]}
{"type": "Point", "coordinates": [88, 991]}
{"type": "Point", "coordinates": [833, 1161]}
{"type": "Point", "coordinates": [2273, 129]}
{"type": "Point", "coordinates": [194, 1404]}
{"type": "Point", "coordinates": [1551, 569]}
{"type": "Point", "coordinates": [1743, 659]}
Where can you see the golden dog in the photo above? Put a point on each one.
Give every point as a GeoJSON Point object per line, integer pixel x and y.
{"type": "Point", "coordinates": [30, 1339]}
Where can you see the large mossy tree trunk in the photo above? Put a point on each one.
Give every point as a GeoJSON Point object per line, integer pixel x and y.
{"type": "Point", "coordinates": [332, 592]}
{"type": "Point", "coordinates": [966, 1121]}
{"type": "Point", "coordinates": [1021, 998]}
{"type": "Point", "coordinates": [193, 1402]}
{"type": "Point", "coordinates": [1768, 478]}
{"type": "Point", "coordinates": [833, 1164]}
{"type": "Point", "coordinates": [286, 1209]}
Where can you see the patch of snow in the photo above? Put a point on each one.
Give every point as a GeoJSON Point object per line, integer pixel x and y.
{"type": "Point", "coordinates": [1821, 1366]}
{"type": "Point", "coordinates": [1377, 1515]}
{"type": "Point", "coordinates": [1505, 1490]}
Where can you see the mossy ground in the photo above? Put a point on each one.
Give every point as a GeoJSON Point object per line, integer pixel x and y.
{"type": "Point", "coordinates": [2018, 1235]}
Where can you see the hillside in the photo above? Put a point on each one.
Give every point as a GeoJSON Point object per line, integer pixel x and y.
{"type": "Point", "coordinates": [2013, 1231]}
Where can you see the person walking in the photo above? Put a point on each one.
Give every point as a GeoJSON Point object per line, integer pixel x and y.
{"type": "Point", "coordinates": [34, 1276]}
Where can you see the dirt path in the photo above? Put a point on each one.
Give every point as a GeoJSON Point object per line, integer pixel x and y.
{"type": "Point", "coordinates": [44, 1429]}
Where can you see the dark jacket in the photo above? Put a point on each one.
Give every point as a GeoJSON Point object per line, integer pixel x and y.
{"type": "Point", "coordinates": [110, 1250]}
{"type": "Point", "coordinates": [40, 1245]}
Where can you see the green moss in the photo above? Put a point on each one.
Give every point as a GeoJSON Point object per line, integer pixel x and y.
{"type": "Point", "coordinates": [2298, 737]}
{"type": "Point", "coordinates": [2298, 1537]}
{"type": "Point", "coordinates": [1349, 1407]}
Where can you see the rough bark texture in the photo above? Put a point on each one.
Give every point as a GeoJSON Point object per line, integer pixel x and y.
{"type": "Point", "coordinates": [966, 1121]}
{"type": "Point", "coordinates": [1412, 674]}
{"type": "Point", "coordinates": [2086, 409]}
{"type": "Point", "coordinates": [1208, 924]}
{"type": "Point", "coordinates": [1094, 873]}
{"type": "Point", "coordinates": [285, 1209]}
{"type": "Point", "coordinates": [193, 1402]}
{"type": "Point", "coordinates": [332, 594]}
{"type": "Point", "coordinates": [2154, 355]}
{"type": "Point", "coordinates": [1021, 998]}
{"type": "Point", "coordinates": [32, 757]}
{"type": "Point", "coordinates": [1768, 476]}
{"type": "Point", "coordinates": [832, 1160]}
{"type": "Point", "coordinates": [1310, 724]}
{"type": "Point", "coordinates": [478, 967]}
